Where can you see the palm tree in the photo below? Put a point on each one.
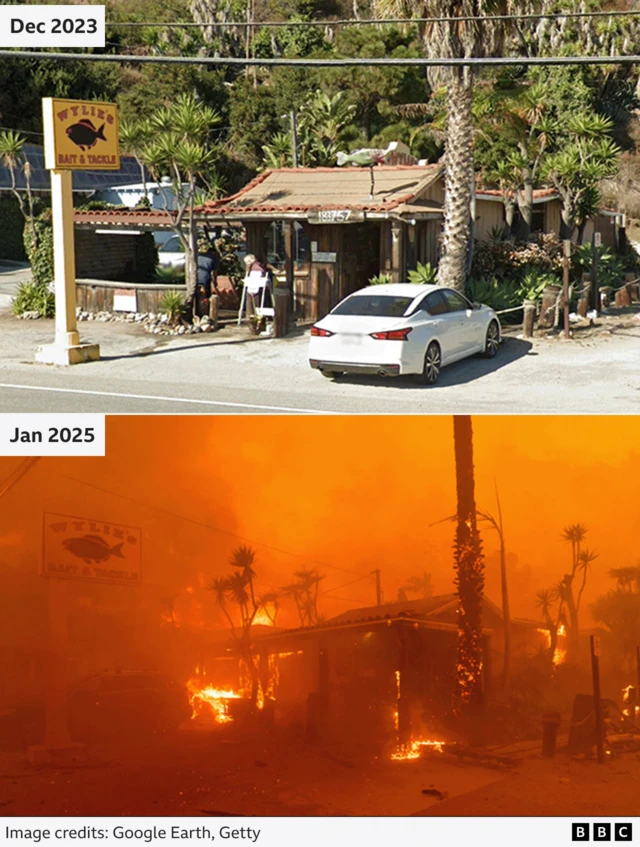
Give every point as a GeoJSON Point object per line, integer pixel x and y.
{"type": "Point", "coordinates": [304, 593]}
{"type": "Point", "coordinates": [573, 534]}
{"type": "Point", "coordinates": [133, 136]}
{"type": "Point", "coordinates": [469, 568]}
{"type": "Point", "coordinates": [419, 585]}
{"type": "Point", "coordinates": [12, 156]}
{"type": "Point", "coordinates": [454, 38]}
{"type": "Point", "coordinates": [506, 615]}
{"type": "Point", "coordinates": [178, 146]}
{"type": "Point", "coordinates": [270, 600]}
{"type": "Point", "coordinates": [238, 588]}
{"type": "Point", "coordinates": [220, 587]}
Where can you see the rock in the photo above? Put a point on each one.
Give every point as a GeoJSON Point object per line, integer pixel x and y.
{"type": "Point", "coordinates": [181, 330]}
{"type": "Point", "coordinates": [30, 316]}
{"type": "Point", "coordinates": [206, 328]}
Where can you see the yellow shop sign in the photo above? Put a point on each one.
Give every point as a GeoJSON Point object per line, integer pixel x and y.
{"type": "Point", "coordinates": [80, 135]}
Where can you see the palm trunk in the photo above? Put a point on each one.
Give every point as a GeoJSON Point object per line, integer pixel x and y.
{"type": "Point", "coordinates": [458, 180]}
{"type": "Point", "coordinates": [469, 568]}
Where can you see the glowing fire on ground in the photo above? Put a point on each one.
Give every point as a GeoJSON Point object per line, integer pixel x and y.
{"type": "Point", "coordinates": [413, 750]}
{"type": "Point", "coordinates": [629, 698]}
{"type": "Point", "coordinates": [210, 702]}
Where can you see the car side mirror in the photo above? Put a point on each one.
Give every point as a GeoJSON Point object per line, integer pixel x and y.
{"type": "Point", "coordinates": [477, 305]}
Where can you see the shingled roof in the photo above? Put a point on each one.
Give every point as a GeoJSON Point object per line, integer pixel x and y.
{"type": "Point", "coordinates": [302, 190]}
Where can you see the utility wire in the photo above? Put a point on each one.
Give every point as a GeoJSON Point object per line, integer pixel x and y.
{"type": "Point", "coordinates": [376, 21]}
{"type": "Point", "coordinates": [208, 526]}
{"type": "Point", "coordinates": [344, 584]}
{"type": "Point", "coordinates": [218, 61]}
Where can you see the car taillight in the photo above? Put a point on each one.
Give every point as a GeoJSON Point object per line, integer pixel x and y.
{"type": "Point", "coordinates": [392, 335]}
{"type": "Point", "coordinates": [323, 333]}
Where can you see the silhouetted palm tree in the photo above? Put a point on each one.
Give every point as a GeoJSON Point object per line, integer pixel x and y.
{"type": "Point", "coordinates": [469, 567]}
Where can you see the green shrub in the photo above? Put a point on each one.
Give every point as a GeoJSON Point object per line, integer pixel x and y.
{"type": "Point", "coordinates": [611, 268]}
{"type": "Point", "coordinates": [40, 259]}
{"type": "Point", "coordinates": [11, 226]}
{"type": "Point", "coordinates": [34, 296]}
{"type": "Point", "coordinates": [146, 257]}
{"type": "Point", "coordinates": [380, 279]}
{"type": "Point", "coordinates": [168, 275]}
{"type": "Point", "coordinates": [533, 283]}
{"type": "Point", "coordinates": [505, 259]}
{"type": "Point", "coordinates": [423, 274]}
{"type": "Point", "coordinates": [172, 305]}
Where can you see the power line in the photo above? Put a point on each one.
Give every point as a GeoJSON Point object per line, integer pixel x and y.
{"type": "Point", "coordinates": [208, 526]}
{"type": "Point", "coordinates": [487, 19]}
{"type": "Point", "coordinates": [344, 584]}
{"type": "Point", "coordinates": [218, 61]}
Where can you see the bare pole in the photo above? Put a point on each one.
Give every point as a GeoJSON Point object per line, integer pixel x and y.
{"type": "Point", "coordinates": [376, 573]}
{"type": "Point", "coordinates": [294, 137]}
{"type": "Point", "coordinates": [597, 702]}
{"type": "Point", "coordinates": [566, 252]}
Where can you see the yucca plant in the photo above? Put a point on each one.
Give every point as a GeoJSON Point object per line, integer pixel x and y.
{"type": "Point", "coordinates": [34, 297]}
{"type": "Point", "coordinates": [172, 304]}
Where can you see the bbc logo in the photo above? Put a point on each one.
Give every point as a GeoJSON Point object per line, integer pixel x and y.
{"type": "Point", "coordinates": [601, 832]}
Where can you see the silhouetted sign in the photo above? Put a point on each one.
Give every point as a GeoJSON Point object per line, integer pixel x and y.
{"type": "Point", "coordinates": [97, 551]}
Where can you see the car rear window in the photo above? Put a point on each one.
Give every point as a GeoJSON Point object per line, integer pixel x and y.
{"type": "Point", "coordinates": [374, 305]}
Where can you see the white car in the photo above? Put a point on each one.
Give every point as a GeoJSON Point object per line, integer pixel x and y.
{"type": "Point", "coordinates": [402, 329]}
{"type": "Point", "coordinates": [171, 254]}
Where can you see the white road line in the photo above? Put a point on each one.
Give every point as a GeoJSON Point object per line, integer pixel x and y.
{"type": "Point", "coordinates": [166, 399]}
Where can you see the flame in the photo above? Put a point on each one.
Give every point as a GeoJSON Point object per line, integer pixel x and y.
{"type": "Point", "coordinates": [559, 655]}
{"type": "Point", "coordinates": [546, 634]}
{"type": "Point", "coordinates": [413, 750]}
{"type": "Point", "coordinates": [210, 701]}
{"type": "Point", "coordinates": [562, 630]}
{"type": "Point", "coordinates": [262, 617]}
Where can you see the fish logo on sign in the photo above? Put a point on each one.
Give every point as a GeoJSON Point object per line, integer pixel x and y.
{"type": "Point", "coordinates": [80, 135]}
{"type": "Point", "coordinates": [92, 548]}
{"type": "Point", "coordinates": [85, 135]}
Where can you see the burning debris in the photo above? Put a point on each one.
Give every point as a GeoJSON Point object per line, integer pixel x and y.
{"type": "Point", "coordinates": [414, 749]}
{"type": "Point", "coordinates": [211, 702]}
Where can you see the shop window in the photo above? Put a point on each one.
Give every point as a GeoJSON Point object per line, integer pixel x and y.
{"type": "Point", "coordinates": [274, 245]}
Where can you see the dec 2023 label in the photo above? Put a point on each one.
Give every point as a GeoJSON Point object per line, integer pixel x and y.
{"type": "Point", "coordinates": [52, 26]}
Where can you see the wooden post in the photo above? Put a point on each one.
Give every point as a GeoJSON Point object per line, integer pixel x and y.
{"type": "Point", "coordinates": [397, 251]}
{"type": "Point", "coordinates": [566, 253]}
{"type": "Point", "coordinates": [638, 669]}
{"type": "Point", "coordinates": [596, 241]}
{"type": "Point", "coordinates": [66, 349]}
{"type": "Point", "coordinates": [597, 702]}
{"type": "Point", "coordinates": [529, 319]}
{"type": "Point", "coordinates": [404, 713]}
{"type": "Point", "coordinates": [214, 305]}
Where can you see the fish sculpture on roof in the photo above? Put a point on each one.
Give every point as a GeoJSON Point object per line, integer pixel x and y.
{"type": "Point", "coordinates": [84, 134]}
{"type": "Point", "coordinates": [364, 157]}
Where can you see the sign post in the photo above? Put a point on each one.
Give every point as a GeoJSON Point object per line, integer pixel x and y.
{"type": "Point", "coordinates": [90, 551]}
{"type": "Point", "coordinates": [77, 136]}
{"type": "Point", "coordinates": [597, 702]}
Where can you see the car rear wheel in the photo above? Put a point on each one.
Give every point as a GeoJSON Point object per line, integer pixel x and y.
{"type": "Point", "coordinates": [331, 374]}
{"type": "Point", "coordinates": [492, 340]}
{"type": "Point", "coordinates": [432, 365]}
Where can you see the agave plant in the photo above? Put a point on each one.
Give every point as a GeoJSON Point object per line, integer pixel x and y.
{"type": "Point", "coordinates": [423, 274]}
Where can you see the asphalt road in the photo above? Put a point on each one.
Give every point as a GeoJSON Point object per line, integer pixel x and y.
{"type": "Point", "coordinates": [230, 372]}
